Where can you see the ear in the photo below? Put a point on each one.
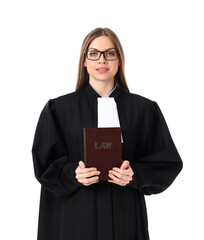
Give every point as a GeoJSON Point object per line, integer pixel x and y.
{"type": "Point", "coordinates": [85, 65]}
{"type": "Point", "coordinates": [118, 62]}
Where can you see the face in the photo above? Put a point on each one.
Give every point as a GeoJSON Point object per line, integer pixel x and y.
{"type": "Point", "coordinates": [101, 69]}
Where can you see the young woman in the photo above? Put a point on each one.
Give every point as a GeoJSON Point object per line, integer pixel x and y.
{"type": "Point", "coordinates": [74, 204]}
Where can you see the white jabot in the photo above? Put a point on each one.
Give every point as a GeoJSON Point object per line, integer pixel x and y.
{"type": "Point", "coordinates": [108, 112]}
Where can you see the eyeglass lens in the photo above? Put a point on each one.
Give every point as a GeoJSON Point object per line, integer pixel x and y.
{"type": "Point", "coordinates": [95, 55]}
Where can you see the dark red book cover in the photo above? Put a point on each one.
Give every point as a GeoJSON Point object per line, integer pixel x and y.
{"type": "Point", "coordinates": [102, 149]}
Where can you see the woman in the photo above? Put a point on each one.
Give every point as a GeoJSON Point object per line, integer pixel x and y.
{"type": "Point", "coordinates": [74, 204]}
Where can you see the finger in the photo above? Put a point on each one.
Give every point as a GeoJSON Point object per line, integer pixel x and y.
{"type": "Point", "coordinates": [89, 181]}
{"type": "Point", "coordinates": [117, 180]}
{"type": "Point", "coordinates": [81, 164]}
{"type": "Point", "coordinates": [120, 184]}
{"type": "Point", "coordinates": [126, 172]}
{"type": "Point", "coordinates": [120, 176]}
{"type": "Point", "coordinates": [125, 164]}
{"type": "Point", "coordinates": [84, 170]}
{"type": "Point", "coordinates": [87, 175]}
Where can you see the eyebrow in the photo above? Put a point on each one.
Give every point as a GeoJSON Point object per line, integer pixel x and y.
{"type": "Point", "coordinates": [99, 50]}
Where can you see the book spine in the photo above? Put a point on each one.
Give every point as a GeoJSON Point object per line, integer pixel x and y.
{"type": "Point", "coordinates": [84, 133]}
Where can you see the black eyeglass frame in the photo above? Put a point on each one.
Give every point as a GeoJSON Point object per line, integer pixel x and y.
{"type": "Point", "coordinates": [102, 52]}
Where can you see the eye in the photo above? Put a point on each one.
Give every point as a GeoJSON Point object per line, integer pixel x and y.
{"type": "Point", "coordinates": [111, 54]}
{"type": "Point", "coordinates": [92, 53]}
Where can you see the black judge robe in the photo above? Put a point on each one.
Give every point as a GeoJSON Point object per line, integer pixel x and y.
{"type": "Point", "coordinates": [103, 211]}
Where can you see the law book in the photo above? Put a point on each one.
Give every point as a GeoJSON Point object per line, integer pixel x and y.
{"type": "Point", "coordinates": [102, 149]}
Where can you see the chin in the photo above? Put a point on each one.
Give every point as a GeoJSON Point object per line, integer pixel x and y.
{"type": "Point", "coordinates": [104, 78]}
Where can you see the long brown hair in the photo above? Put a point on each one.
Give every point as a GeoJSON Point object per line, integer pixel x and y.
{"type": "Point", "coordinates": [83, 76]}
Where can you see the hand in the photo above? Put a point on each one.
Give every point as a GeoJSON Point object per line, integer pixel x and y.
{"type": "Point", "coordinates": [122, 175]}
{"type": "Point", "coordinates": [86, 176]}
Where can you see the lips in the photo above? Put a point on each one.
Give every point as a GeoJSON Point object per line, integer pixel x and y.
{"type": "Point", "coordinates": [102, 70]}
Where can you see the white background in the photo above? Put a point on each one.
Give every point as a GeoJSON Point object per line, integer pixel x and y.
{"type": "Point", "coordinates": [39, 50]}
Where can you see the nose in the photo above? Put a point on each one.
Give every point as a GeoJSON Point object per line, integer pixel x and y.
{"type": "Point", "coordinates": [102, 58]}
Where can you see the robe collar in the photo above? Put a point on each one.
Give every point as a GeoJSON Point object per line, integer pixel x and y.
{"type": "Point", "coordinates": [114, 93]}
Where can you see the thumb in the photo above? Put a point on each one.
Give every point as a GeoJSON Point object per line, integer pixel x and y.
{"type": "Point", "coordinates": [125, 165]}
{"type": "Point", "coordinates": [81, 164]}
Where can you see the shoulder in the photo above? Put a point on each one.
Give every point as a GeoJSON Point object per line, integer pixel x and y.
{"type": "Point", "coordinates": [62, 102]}
{"type": "Point", "coordinates": [137, 100]}
{"type": "Point", "coordinates": [69, 98]}
{"type": "Point", "coordinates": [141, 99]}
{"type": "Point", "coordinates": [66, 97]}
{"type": "Point", "coordinates": [140, 105]}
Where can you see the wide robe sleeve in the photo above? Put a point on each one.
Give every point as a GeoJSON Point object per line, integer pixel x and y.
{"type": "Point", "coordinates": [52, 165]}
{"type": "Point", "coordinates": [158, 167]}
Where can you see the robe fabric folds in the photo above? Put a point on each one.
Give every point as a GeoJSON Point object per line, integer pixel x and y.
{"type": "Point", "coordinates": [103, 211]}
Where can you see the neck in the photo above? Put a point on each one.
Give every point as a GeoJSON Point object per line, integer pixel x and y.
{"type": "Point", "coordinates": [103, 88]}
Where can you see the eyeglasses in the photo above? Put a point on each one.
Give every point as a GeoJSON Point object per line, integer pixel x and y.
{"type": "Point", "coordinates": [95, 55]}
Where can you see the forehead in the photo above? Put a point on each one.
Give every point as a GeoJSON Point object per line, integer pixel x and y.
{"type": "Point", "coordinates": [102, 43]}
